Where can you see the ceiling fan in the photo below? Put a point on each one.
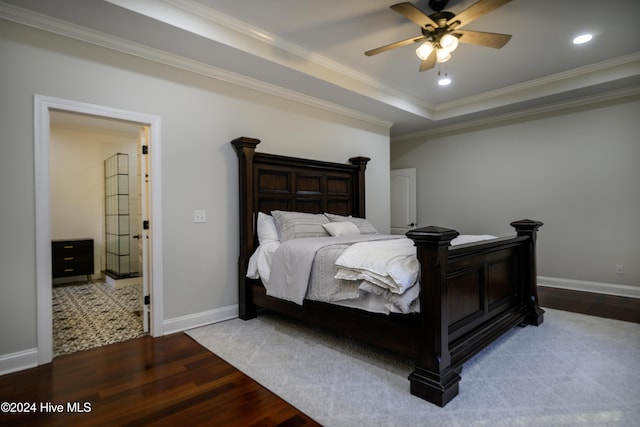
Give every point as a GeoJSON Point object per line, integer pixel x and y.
{"type": "Point", "coordinates": [441, 30]}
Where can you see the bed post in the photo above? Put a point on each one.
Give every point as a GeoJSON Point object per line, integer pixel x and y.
{"type": "Point", "coordinates": [527, 227]}
{"type": "Point", "coordinates": [245, 149]}
{"type": "Point", "coordinates": [361, 162]}
{"type": "Point", "coordinates": [433, 378]}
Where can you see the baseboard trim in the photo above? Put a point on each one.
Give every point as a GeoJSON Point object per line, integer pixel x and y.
{"type": "Point", "coordinates": [183, 323]}
{"type": "Point", "coordinates": [18, 361]}
{"type": "Point", "coordinates": [592, 287]}
{"type": "Point", "coordinates": [590, 303]}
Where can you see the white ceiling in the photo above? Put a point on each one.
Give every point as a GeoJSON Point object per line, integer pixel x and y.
{"type": "Point", "coordinates": [315, 49]}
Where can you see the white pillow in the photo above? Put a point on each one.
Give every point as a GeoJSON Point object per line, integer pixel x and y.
{"type": "Point", "coordinates": [363, 225]}
{"type": "Point", "coordinates": [295, 225]}
{"type": "Point", "coordinates": [341, 228]}
{"type": "Point", "coordinates": [267, 231]}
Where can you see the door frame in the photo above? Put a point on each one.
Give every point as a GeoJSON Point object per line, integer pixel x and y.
{"type": "Point", "coordinates": [42, 123]}
{"type": "Point", "coordinates": [144, 242]}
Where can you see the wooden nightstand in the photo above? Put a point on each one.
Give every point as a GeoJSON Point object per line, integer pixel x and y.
{"type": "Point", "coordinates": [72, 258]}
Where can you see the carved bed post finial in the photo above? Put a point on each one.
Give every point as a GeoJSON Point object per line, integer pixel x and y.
{"type": "Point", "coordinates": [244, 145]}
{"type": "Point", "coordinates": [528, 227]}
{"type": "Point", "coordinates": [361, 162]}
{"type": "Point", "coordinates": [434, 379]}
{"type": "Point", "coordinates": [245, 149]}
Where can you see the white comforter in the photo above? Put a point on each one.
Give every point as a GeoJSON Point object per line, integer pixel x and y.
{"type": "Point", "coordinates": [292, 262]}
{"type": "Point", "coordinates": [390, 264]}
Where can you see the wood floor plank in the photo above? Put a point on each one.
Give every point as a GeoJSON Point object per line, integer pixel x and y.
{"type": "Point", "coordinates": [168, 381]}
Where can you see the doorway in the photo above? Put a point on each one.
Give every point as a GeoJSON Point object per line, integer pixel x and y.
{"type": "Point", "coordinates": [94, 211]}
{"type": "Point", "coordinates": [44, 106]}
{"type": "Point", "coordinates": [403, 200]}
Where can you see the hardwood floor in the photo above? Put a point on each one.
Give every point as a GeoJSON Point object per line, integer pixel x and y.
{"type": "Point", "coordinates": [168, 381]}
{"type": "Point", "coordinates": [610, 306]}
{"type": "Point", "coordinates": [173, 380]}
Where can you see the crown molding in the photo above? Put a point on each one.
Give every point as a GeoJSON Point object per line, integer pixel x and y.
{"type": "Point", "coordinates": [625, 94]}
{"type": "Point", "coordinates": [76, 32]}
{"type": "Point", "coordinates": [601, 72]}
{"type": "Point", "coordinates": [374, 87]}
{"type": "Point", "coordinates": [206, 22]}
{"type": "Point", "coordinates": [363, 84]}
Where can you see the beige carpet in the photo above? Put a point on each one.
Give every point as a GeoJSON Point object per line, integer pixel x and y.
{"type": "Point", "coordinates": [573, 370]}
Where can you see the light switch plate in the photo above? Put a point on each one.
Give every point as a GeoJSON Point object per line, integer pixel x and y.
{"type": "Point", "coordinates": [199, 216]}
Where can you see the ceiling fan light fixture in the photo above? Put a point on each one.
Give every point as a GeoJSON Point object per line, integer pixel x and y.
{"type": "Point", "coordinates": [441, 31]}
{"type": "Point", "coordinates": [424, 50]}
{"type": "Point", "coordinates": [449, 42]}
{"type": "Point", "coordinates": [442, 55]}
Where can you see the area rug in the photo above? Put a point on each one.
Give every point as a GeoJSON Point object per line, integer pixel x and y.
{"type": "Point", "coordinates": [573, 370]}
{"type": "Point", "coordinates": [88, 315]}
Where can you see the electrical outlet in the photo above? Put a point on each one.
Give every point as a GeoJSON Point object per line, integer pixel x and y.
{"type": "Point", "coordinates": [199, 216]}
{"type": "Point", "coordinates": [619, 269]}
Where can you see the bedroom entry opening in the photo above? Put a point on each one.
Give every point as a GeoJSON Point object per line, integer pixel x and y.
{"type": "Point", "coordinates": [88, 162]}
{"type": "Point", "coordinates": [100, 198]}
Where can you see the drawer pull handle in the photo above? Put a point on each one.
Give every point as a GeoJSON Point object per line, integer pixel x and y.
{"type": "Point", "coordinates": [68, 269]}
{"type": "Point", "coordinates": [69, 258]}
{"type": "Point", "coordinates": [68, 247]}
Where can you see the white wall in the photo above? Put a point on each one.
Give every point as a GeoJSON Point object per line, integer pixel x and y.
{"type": "Point", "coordinates": [199, 117]}
{"type": "Point", "coordinates": [578, 172]}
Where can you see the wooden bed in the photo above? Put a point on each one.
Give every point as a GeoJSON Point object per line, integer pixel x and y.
{"type": "Point", "coordinates": [470, 294]}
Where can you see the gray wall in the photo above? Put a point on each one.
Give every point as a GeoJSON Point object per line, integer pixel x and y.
{"type": "Point", "coordinates": [199, 167]}
{"type": "Point", "coordinates": [578, 172]}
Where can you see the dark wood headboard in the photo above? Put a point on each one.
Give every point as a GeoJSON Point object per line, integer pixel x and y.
{"type": "Point", "coordinates": [272, 182]}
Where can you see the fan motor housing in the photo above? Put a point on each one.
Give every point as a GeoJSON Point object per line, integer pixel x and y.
{"type": "Point", "coordinates": [441, 18]}
{"type": "Point", "coordinates": [438, 5]}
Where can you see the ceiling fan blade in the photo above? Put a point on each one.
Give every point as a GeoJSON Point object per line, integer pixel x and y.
{"type": "Point", "coordinates": [475, 11]}
{"type": "Point", "coordinates": [414, 14]}
{"type": "Point", "coordinates": [430, 62]}
{"type": "Point", "coordinates": [393, 45]}
{"type": "Point", "coordinates": [482, 38]}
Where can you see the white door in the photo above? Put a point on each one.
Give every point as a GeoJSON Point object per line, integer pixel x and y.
{"type": "Point", "coordinates": [143, 218]}
{"type": "Point", "coordinates": [403, 200]}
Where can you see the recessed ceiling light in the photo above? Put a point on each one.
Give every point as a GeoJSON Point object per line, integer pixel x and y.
{"type": "Point", "coordinates": [582, 38]}
{"type": "Point", "coordinates": [444, 81]}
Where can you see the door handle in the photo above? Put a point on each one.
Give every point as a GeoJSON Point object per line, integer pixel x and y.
{"type": "Point", "coordinates": [411, 225]}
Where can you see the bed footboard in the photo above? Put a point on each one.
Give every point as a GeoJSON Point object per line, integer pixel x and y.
{"type": "Point", "coordinates": [470, 295]}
